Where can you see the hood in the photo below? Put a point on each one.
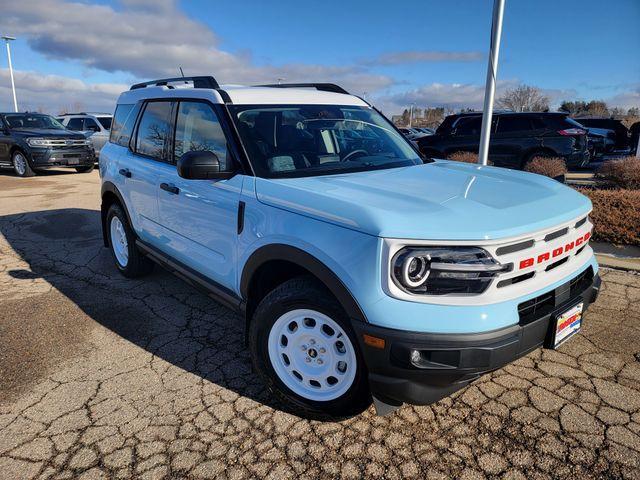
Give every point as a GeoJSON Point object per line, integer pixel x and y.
{"type": "Point", "coordinates": [442, 200]}
{"type": "Point", "coordinates": [47, 133]}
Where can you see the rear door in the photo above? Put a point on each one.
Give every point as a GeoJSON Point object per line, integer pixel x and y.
{"type": "Point", "coordinates": [199, 217]}
{"type": "Point", "coordinates": [513, 135]}
{"type": "Point", "coordinates": [142, 164]}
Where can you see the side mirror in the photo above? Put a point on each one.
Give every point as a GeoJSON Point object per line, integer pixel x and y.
{"type": "Point", "coordinates": [201, 165]}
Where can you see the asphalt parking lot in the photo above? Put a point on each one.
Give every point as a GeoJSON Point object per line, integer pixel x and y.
{"type": "Point", "coordinates": [101, 376]}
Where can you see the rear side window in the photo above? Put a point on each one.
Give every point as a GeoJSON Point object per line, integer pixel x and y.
{"type": "Point", "coordinates": [508, 123]}
{"type": "Point", "coordinates": [123, 121]}
{"type": "Point", "coordinates": [90, 123]}
{"type": "Point", "coordinates": [469, 126]}
{"type": "Point", "coordinates": [198, 128]}
{"type": "Point", "coordinates": [554, 122]}
{"type": "Point", "coordinates": [154, 130]}
{"type": "Point", "coordinates": [75, 124]}
{"type": "Point", "coordinates": [105, 122]}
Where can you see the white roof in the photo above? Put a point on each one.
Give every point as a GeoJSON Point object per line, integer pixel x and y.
{"type": "Point", "coordinates": [241, 95]}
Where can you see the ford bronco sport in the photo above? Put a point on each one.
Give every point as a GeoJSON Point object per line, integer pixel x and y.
{"type": "Point", "coordinates": [361, 271]}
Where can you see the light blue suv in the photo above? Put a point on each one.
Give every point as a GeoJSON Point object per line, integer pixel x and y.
{"type": "Point", "coordinates": [360, 269]}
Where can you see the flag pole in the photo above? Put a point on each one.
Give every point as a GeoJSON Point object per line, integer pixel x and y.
{"type": "Point", "coordinates": [490, 87]}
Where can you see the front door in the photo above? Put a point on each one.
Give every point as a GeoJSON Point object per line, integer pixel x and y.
{"type": "Point", "coordinates": [199, 217]}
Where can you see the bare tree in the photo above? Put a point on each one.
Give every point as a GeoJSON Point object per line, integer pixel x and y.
{"type": "Point", "coordinates": [524, 98]}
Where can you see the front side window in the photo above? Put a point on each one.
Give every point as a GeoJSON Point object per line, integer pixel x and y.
{"type": "Point", "coordinates": [154, 130]}
{"type": "Point", "coordinates": [469, 126]}
{"type": "Point", "coordinates": [198, 129]}
{"type": "Point", "coordinates": [75, 124]}
{"type": "Point", "coordinates": [24, 121]}
{"type": "Point", "coordinates": [307, 140]}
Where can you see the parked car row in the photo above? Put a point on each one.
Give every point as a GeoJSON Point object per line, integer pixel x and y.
{"type": "Point", "coordinates": [96, 125]}
{"type": "Point", "coordinates": [30, 142]}
{"type": "Point", "coordinates": [516, 138]}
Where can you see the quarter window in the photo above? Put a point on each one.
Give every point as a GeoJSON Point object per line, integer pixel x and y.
{"type": "Point", "coordinates": [509, 123]}
{"type": "Point", "coordinates": [154, 130]}
{"type": "Point", "coordinates": [198, 129]}
{"type": "Point", "coordinates": [123, 121]}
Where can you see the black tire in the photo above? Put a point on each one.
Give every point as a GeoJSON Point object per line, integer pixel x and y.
{"type": "Point", "coordinates": [305, 292]}
{"type": "Point", "coordinates": [86, 169]}
{"type": "Point", "coordinates": [20, 162]}
{"type": "Point", "coordinates": [137, 265]}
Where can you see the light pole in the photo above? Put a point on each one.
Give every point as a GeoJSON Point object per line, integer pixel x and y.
{"type": "Point", "coordinates": [411, 115]}
{"type": "Point", "coordinates": [490, 88]}
{"type": "Point", "coordinates": [7, 39]}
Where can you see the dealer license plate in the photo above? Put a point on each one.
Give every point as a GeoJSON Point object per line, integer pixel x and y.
{"type": "Point", "coordinates": [567, 324]}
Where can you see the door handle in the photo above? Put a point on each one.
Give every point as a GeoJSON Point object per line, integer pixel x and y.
{"type": "Point", "coordinates": [170, 188]}
{"type": "Point", "coordinates": [125, 172]}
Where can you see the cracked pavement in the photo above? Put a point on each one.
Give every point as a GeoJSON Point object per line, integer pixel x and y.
{"type": "Point", "coordinates": [105, 377]}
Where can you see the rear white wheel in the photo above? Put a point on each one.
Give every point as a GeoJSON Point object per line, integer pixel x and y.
{"type": "Point", "coordinates": [119, 242]}
{"type": "Point", "coordinates": [122, 241]}
{"type": "Point", "coordinates": [312, 355]}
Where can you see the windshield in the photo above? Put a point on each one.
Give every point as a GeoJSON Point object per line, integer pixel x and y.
{"type": "Point", "coordinates": [306, 140]}
{"type": "Point", "coordinates": [18, 121]}
{"type": "Point", "coordinates": [106, 122]}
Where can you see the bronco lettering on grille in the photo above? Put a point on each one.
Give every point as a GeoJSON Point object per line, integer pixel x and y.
{"type": "Point", "coordinates": [556, 252]}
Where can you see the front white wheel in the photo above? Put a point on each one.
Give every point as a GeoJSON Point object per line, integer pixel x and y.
{"type": "Point", "coordinates": [312, 355]}
{"type": "Point", "coordinates": [304, 348]}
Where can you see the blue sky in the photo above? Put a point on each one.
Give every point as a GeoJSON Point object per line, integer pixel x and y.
{"type": "Point", "coordinates": [428, 52]}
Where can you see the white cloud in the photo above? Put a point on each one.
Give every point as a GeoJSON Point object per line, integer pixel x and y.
{"type": "Point", "coordinates": [54, 93]}
{"type": "Point", "coordinates": [153, 39]}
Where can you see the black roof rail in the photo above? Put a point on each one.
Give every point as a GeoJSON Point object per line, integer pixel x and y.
{"type": "Point", "coordinates": [323, 87]}
{"type": "Point", "coordinates": [198, 82]}
{"type": "Point", "coordinates": [72, 113]}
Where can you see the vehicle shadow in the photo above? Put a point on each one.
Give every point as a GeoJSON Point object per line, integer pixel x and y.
{"type": "Point", "coordinates": [159, 313]}
{"type": "Point", "coordinates": [6, 172]}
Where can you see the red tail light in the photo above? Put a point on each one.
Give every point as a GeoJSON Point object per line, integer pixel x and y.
{"type": "Point", "coordinates": [572, 132]}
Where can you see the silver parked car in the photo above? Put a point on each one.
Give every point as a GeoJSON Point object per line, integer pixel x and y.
{"type": "Point", "coordinates": [94, 125]}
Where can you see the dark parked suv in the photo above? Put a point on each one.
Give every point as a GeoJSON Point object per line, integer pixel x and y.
{"type": "Point", "coordinates": [515, 139]}
{"type": "Point", "coordinates": [33, 141]}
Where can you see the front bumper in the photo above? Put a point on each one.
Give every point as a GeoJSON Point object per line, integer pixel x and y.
{"type": "Point", "coordinates": [449, 362]}
{"type": "Point", "coordinates": [62, 157]}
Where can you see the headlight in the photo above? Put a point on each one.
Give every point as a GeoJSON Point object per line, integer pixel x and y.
{"type": "Point", "coordinates": [443, 270]}
{"type": "Point", "coordinates": [38, 142]}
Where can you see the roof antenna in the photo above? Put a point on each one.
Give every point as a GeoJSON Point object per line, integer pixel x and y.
{"type": "Point", "coordinates": [181, 72]}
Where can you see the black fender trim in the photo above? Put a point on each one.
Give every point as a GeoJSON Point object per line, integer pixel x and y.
{"type": "Point", "coordinates": [307, 261]}
{"type": "Point", "coordinates": [109, 187]}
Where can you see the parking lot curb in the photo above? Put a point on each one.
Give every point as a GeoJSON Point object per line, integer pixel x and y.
{"type": "Point", "coordinates": [609, 261]}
